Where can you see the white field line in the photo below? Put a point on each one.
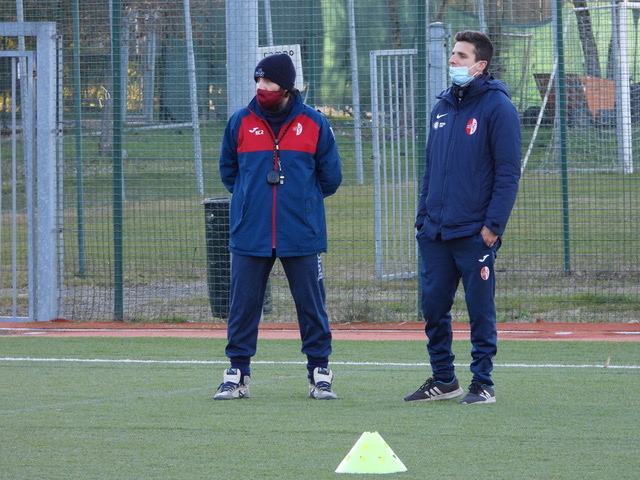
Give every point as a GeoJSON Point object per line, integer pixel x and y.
{"type": "Point", "coordinates": [265, 362]}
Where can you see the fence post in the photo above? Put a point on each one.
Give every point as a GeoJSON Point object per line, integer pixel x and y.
{"type": "Point", "coordinates": [242, 52]}
{"type": "Point", "coordinates": [561, 100]}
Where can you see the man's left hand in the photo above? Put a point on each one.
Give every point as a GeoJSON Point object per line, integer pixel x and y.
{"type": "Point", "coordinates": [488, 236]}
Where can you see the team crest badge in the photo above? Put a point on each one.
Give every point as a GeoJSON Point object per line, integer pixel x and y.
{"type": "Point", "coordinates": [472, 126]}
{"type": "Point", "coordinates": [484, 273]}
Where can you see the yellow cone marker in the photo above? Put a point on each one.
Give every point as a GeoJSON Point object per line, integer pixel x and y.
{"type": "Point", "coordinates": [371, 454]}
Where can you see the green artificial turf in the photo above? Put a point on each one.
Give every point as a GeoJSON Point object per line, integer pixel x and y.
{"type": "Point", "coordinates": [141, 408]}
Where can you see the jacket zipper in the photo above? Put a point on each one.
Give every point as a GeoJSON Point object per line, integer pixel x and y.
{"type": "Point", "coordinates": [276, 166]}
{"type": "Point", "coordinates": [446, 174]}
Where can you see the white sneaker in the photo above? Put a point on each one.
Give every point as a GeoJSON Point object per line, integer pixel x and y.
{"type": "Point", "coordinates": [231, 387]}
{"type": "Point", "coordinates": [320, 384]}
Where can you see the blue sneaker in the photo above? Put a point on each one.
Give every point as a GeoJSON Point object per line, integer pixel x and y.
{"type": "Point", "coordinates": [479, 393]}
{"type": "Point", "coordinates": [434, 389]}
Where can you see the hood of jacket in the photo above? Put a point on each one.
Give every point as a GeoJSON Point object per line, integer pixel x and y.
{"type": "Point", "coordinates": [472, 161]}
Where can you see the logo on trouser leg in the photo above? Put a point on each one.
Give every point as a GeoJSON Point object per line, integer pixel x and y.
{"type": "Point", "coordinates": [320, 276]}
{"type": "Point", "coordinates": [484, 273]}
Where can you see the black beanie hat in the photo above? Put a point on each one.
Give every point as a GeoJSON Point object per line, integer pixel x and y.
{"type": "Point", "coordinates": [278, 68]}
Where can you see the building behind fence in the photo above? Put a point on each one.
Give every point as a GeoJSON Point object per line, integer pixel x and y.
{"type": "Point", "coordinates": [138, 93]}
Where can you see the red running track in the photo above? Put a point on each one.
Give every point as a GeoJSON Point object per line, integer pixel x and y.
{"type": "Point", "coordinates": [612, 332]}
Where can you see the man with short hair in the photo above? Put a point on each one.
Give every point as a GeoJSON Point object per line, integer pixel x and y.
{"type": "Point", "coordinates": [469, 188]}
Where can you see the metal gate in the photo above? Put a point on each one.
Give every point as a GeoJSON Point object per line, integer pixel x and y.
{"type": "Point", "coordinates": [394, 161]}
{"type": "Point", "coordinates": [28, 204]}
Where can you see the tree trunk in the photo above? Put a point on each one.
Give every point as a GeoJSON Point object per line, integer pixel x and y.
{"type": "Point", "coordinates": [394, 24]}
{"type": "Point", "coordinates": [587, 40]}
{"type": "Point", "coordinates": [105, 147]}
{"type": "Point", "coordinates": [494, 31]}
{"type": "Point", "coordinates": [441, 11]}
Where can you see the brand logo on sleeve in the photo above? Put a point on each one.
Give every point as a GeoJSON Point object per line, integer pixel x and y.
{"type": "Point", "coordinates": [437, 124]}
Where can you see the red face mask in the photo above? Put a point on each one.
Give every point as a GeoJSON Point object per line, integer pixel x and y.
{"type": "Point", "coordinates": [268, 99]}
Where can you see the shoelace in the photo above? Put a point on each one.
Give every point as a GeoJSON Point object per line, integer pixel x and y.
{"type": "Point", "coordinates": [428, 383]}
{"type": "Point", "coordinates": [475, 388]}
{"type": "Point", "coordinates": [323, 386]}
{"type": "Point", "coordinates": [227, 386]}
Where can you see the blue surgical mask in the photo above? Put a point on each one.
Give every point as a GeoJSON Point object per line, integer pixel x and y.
{"type": "Point", "coordinates": [460, 75]}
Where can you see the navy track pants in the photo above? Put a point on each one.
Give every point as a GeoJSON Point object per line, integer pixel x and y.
{"type": "Point", "coordinates": [249, 277]}
{"type": "Point", "coordinates": [444, 263]}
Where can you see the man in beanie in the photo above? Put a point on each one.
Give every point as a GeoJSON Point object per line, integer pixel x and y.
{"type": "Point", "coordinates": [279, 159]}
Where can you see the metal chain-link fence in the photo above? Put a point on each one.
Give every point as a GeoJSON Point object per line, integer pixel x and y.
{"type": "Point", "coordinates": [144, 91]}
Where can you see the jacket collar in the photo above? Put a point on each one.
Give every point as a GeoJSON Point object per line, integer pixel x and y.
{"type": "Point", "coordinates": [479, 86]}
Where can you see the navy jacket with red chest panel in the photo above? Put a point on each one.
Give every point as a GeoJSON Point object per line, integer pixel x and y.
{"type": "Point", "coordinates": [287, 217]}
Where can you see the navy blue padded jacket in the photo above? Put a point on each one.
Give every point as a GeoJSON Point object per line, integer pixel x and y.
{"type": "Point", "coordinates": [472, 165]}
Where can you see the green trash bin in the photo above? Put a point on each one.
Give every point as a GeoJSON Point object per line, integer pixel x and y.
{"type": "Point", "coordinates": [218, 257]}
